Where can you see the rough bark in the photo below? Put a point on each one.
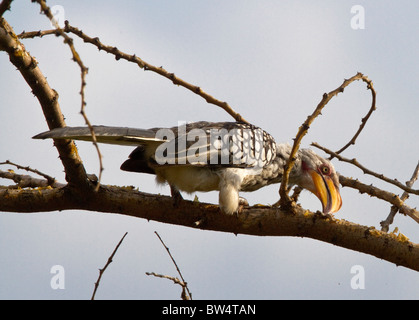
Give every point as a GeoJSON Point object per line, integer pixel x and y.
{"type": "Point", "coordinates": [257, 220]}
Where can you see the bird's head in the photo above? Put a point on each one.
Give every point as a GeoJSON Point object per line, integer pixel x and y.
{"type": "Point", "coordinates": [318, 176]}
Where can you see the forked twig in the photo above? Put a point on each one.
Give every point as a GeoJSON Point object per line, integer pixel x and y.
{"type": "Point", "coordinates": [50, 180]}
{"type": "Point", "coordinates": [27, 181]}
{"type": "Point", "coordinates": [386, 223]}
{"type": "Point", "coordinates": [101, 271]}
{"type": "Point", "coordinates": [181, 282]}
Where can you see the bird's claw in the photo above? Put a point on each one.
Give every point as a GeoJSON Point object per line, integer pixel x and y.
{"type": "Point", "coordinates": [242, 203]}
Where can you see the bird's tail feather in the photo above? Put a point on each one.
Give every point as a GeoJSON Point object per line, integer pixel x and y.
{"type": "Point", "coordinates": [104, 134]}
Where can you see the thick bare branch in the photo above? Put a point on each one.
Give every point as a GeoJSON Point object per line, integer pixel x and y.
{"type": "Point", "coordinates": [48, 98]}
{"type": "Point", "coordinates": [260, 221]}
{"type": "Point", "coordinates": [4, 6]}
{"type": "Point", "coordinates": [83, 72]}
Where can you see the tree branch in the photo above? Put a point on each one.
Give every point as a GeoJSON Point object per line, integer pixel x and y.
{"type": "Point", "coordinates": [83, 72]}
{"type": "Point", "coordinates": [26, 181]}
{"type": "Point", "coordinates": [367, 116]}
{"type": "Point", "coordinates": [50, 180]}
{"type": "Point", "coordinates": [258, 221]}
{"type": "Point", "coordinates": [183, 283]}
{"type": "Point", "coordinates": [4, 6]}
{"type": "Point", "coordinates": [380, 194]}
{"type": "Point", "coordinates": [285, 200]}
{"type": "Point", "coordinates": [386, 223]}
{"type": "Point", "coordinates": [48, 98]}
{"type": "Point", "coordinates": [142, 64]}
{"type": "Point", "coordinates": [380, 176]}
{"type": "Point", "coordinates": [101, 271]}
{"type": "Point", "coordinates": [175, 280]}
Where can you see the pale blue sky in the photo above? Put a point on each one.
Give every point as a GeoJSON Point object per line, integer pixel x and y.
{"type": "Point", "coordinates": [271, 61]}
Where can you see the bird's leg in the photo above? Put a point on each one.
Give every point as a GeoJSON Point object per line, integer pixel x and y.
{"type": "Point", "coordinates": [177, 197]}
{"type": "Point", "coordinates": [229, 199]}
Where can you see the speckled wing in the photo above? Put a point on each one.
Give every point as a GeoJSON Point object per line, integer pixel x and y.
{"type": "Point", "coordinates": [215, 144]}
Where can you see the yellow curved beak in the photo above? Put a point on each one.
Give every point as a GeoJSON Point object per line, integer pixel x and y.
{"type": "Point", "coordinates": [327, 192]}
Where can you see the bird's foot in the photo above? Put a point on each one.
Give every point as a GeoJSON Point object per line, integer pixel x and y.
{"type": "Point", "coordinates": [242, 203]}
{"type": "Point", "coordinates": [287, 205]}
{"type": "Point", "coordinates": [322, 215]}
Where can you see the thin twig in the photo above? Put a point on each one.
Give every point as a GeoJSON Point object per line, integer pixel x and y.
{"type": "Point", "coordinates": [380, 194]}
{"type": "Point", "coordinates": [367, 116]}
{"type": "Point", "coordinates": [101, 271]}
{"type": "Point", "coordinates": [386, 223]}
{"type": "Point", "coordinates": [174, 262]}
{"type": "Point", "coordinates": [36, 34]}
{"type": "Point", "coordinates": [376, 192]}
{"type": "Point", "coordinates": [285, 200]}
{"type": "Point", "coordinates": [83, 70]}
{"type": "Point", "coordinates": [143, 65]}
{"type": "Point", "coordinates": [50, 179]}
{"type": "Point", "coordinates": [366, 170]}
{"type": "Point", "coordinates": [175, 280]}
{"type": "Point", "coordinates": [27, 181]}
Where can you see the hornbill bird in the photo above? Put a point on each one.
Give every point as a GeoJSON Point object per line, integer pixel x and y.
{"type": "Point", "coordinates": [206, 156]}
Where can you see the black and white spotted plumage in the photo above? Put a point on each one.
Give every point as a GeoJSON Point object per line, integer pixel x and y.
{"type": "Point", "coordinates": [204, 156]}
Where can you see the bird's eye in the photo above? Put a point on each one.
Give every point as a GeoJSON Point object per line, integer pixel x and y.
{"type": "Point", "coordinates": [325, 170]}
